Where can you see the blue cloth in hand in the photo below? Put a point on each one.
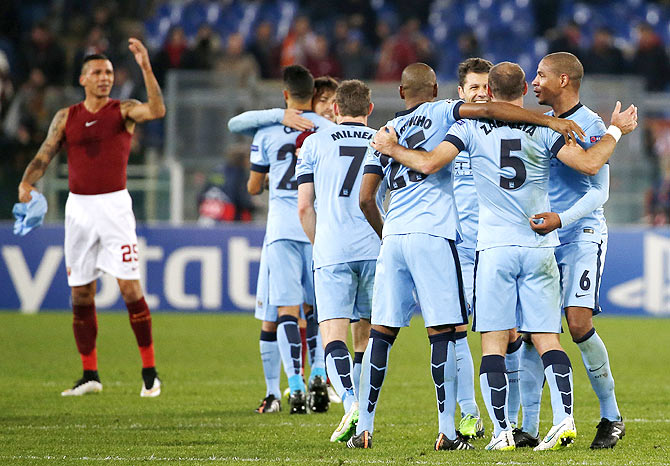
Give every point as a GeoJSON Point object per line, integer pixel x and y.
{"type": "Point", "coordinates": [29, 215]}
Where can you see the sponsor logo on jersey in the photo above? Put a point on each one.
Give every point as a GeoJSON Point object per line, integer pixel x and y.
{"type": "Point", "coordinates": [90, 123]}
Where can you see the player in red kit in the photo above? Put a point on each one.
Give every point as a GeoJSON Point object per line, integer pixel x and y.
{"type": "Point", "coordinates": [99, 221]}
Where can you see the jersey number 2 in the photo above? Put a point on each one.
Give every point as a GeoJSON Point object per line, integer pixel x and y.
{"type": "Point", "coordinates": [285, 182]}
{"type": "Point", "coordinates": [515, 163]}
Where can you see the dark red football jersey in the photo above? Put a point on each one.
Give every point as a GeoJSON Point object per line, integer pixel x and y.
{"type": "Point", "coordinates": [98, 146]}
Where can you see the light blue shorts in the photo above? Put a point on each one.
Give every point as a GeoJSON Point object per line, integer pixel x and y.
{"type": "Point", "coordinates": [581, 265]}
{"type": "Point", "coordinates": [290, 279]}
{"type": "Point", "coordinates": [264, 311]}
{"type": "Point", "coordinates": [344, 291]}
{"type": "Point", "coordinates": [467, 259]}
{"type": "Point", "coordinates": [517, 286]}
{"type": "Point", "coordinates": [425, 262]}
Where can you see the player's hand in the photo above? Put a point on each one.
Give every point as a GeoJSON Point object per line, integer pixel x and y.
{"type": "Point", "coordinates": [24, 191]}
{"type": "Point", "coordinates": [140, 51]}
{"type": "Point", "coordinates": [626, 121]}
{"type": "Point", "coordinates": [544, 223]}
{"type": "Point", "coordinates": [292, 119]}
{"type": "Point", "coordinates": [567, 128]}
{"type": "Point", "coordinates": [384, 140]}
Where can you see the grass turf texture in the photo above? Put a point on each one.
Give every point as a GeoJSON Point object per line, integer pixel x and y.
{"type": "Point", "coordinates": [211, 370]}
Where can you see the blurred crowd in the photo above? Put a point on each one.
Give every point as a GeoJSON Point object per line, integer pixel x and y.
{"type": "Point", "coordinates": [42, 43]}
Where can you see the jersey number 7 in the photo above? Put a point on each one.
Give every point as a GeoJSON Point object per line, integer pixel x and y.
{"type": "Point", "coordinates": [358, 154]}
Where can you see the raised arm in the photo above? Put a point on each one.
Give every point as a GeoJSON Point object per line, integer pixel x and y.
{"type": "Point", "coordinates": [367, 200]}
{"type": "Point", "coordinates": [594, 197]}
{"type": "Point", "coordinates": [508, 112]}
{"type": "Point", "coordinates": [248, 122]}
{"type": "Point", "coordinates": [591, 160]}
{"type": "Point", "coordinates": [47, 151]}
{"type": "Point", "coordinates": [155, 108]}
{"type": "Point", "coordinates": [386, 142]}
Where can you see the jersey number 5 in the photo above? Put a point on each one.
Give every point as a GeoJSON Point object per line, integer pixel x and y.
{"type": "Point", "coordinates": [515, 163]}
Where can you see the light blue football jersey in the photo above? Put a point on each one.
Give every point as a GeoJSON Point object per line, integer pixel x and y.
{"type": "Point", "coordinates": [419, 203]}
{"type": "Point", "coordinates": [466, 199]}
{"type": "Point", "coordinates": [567, 186]}
{"type": "Point", "coordinates": [510, 163]}
{"type": "Point", "coordinates": [273, 152]}
{"type": "Point", "coordinates": [333, 160]}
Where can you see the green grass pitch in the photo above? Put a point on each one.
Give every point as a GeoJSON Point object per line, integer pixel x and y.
{"type": "Point", "coordinates": [211, 371]}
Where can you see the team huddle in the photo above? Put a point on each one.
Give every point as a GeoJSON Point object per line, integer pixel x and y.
{"type": "Point", "coordinates": [472, 209]}
{"type": "Point", "coordinates": [468, 207]}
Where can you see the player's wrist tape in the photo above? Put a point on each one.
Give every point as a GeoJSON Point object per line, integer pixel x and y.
{"type": "Point", "coordinates": [615, 132]}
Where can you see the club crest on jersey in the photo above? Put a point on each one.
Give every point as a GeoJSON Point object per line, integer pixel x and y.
{"type": "Point", "coordinates": [595, 139]}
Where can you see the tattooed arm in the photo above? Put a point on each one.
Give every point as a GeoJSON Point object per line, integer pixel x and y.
{"type": "Point", "coordinates": [155, 108]}
{"type": "Point", "coordinates": [45, 154]}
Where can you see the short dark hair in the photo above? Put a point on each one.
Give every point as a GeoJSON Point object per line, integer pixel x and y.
{"type": "Point", "coordinates": [507, 81]}
{"type": "Point", "coordinates": [323, 84]}
{"type": "Point", "coordinates": [299, 82]}
{"type": "Point", "coordinates": [472, 65]}
{"type": "Point", "coordinates": [93, 56]}
{"type": "Point", "coordinates": [353, 98]}
{"type": "Point", "coordinates": [566, 63]}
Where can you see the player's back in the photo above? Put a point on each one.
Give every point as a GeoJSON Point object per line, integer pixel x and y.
{"type": "Point", "coordinates": [273, 151]}
{"type": "Point", "coordinates": [334, 158]}
{"type": "Point", "coordinates": [510, 164]}
{"type": "Point", "coordinates": [420, 203]}
{"type": "Point", "coordinates": [465, 195]}
{"type": "Point", "coordinates": [567, 186]}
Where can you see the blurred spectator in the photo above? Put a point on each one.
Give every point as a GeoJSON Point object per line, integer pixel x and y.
{"type": "Point", "coordinates": [96, 42]}
{"type": "Point", "coordinates": [124, 86]}
{"type": "Point", "coordinates": [6, 86]}
{"type": "Point", "coordinates": [651, 60]}
{"type": "Point", "coordinates": [266, 51]}
{"type": "Point", "coordinates": [397, 52]}
{"type": "Point", "coordinates": [204, 54]}
{"type": "Point", "coordinates": [468, 45]}
{"type": "Point", "coordinates": [42, 51]}
{"type": "Point", "coordinates": [356, 59]}
{"type": "Point", "coordinates": [225, 197]}
{"type": "Point", "coordinates": [28, 119]}
{"type": "Point", "coordinates": [237, 62]}
{"type": "Point", "coordinates": [566, 39]}
{"type": "Point", "coordinates": [172, 55]}
{"type": "Point", "coordinates": [320, 61]}
{"type": "Point", "coordinates": [298, 44]}
{"type": "Point", "coordinates": [603, 57]}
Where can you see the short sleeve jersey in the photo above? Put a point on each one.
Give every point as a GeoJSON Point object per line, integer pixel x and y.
{"type": "Point", "coordinates": [273, 152]}
{"type": "Point", "coordinates": [332, 159]}
{"type": "Point", "coordinates": [567, 186]}
{"type": "Point", "coordinates": [419, 203]}
{"type": "Point", "coordinates": [510, 163]}
{"type": "Point", "coordinates": [466, 199]}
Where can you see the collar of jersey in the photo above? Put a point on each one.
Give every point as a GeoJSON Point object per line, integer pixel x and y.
{"type": "Point", "coordinates": [352, 123]}
{"type": "Point", "coordinates": [409, 110]}
{"type": "Point", "coordinates": [571, 111]}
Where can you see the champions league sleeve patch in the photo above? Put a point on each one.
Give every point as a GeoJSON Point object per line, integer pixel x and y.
{"type": "Point", "coordinates": [595, 139]}
{"type": "Point", "coordinates": [254, 148]}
